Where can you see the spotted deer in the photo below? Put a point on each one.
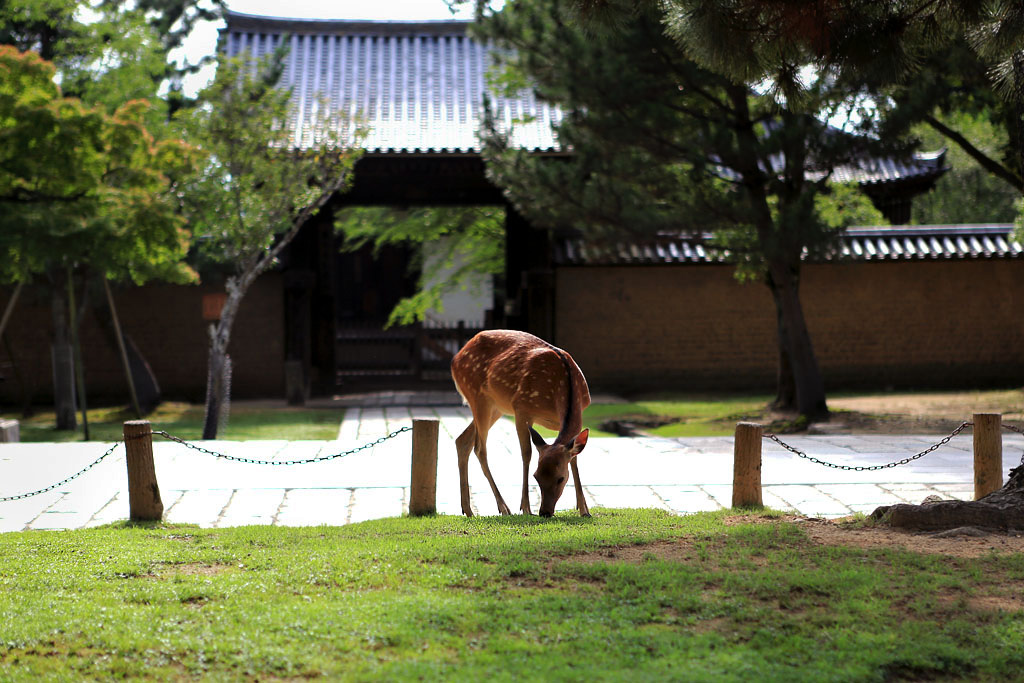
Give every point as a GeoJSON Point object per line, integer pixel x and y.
{"type": "Point", "coordinates": [505, 372]}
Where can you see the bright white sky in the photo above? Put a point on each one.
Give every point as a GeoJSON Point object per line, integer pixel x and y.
{"type": "Point", "coordinates": [204, 38]}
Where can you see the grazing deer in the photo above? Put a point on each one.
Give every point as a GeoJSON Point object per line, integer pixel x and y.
{"type": "Point", "coordinates": [505, 372]}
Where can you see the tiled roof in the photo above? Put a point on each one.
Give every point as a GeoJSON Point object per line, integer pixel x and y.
{"type": "Point", "coordinates": [878, 171]}
{"type": "Point", "coordinates": [929, 242]}
{"type": "Point", "coordinates": [418, 86]}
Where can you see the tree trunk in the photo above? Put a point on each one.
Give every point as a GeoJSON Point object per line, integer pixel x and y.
{"type": "Point", "coordinates": [785, 386]}
{"type": "Point", "coordinates": [1002, 509]}
{"type": "Point", "coordinates": [77, 350]}
{"type": "Point", "coordinates": [10, 307]}
{"type": "Point", "coordinates": [62, 355]}
{"type": "Point", "coordinates": [220, 335]}
{"type": "Point", "coordinates": [215, 390]}
{"type": "Point", "coordinates": [793, 333]}
{"type": "Point", "coordinates": [147, 389]}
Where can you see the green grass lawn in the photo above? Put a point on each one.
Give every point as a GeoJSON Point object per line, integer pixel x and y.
{"type": "Point", "coordinates": [185, 420]}
{"type": "Point", "coordinates": [711, 415]}
{"type": "Point", "coordinates": [693, 415]}
{"type": "Point", "coordinates": [626, 595]}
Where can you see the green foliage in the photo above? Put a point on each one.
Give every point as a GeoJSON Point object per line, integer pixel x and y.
{"type": "Point", "coordinates": [42, 26]}
{"type": "Point", "coordinates": [109, 51]}
{"type": "Point", "coordinates": [464, 242]}
{"type": "Point", "coordinates": [967, 193]}
{"type": "Point", "coordinates": [185, 420]}
{"type": "Point", "coordinates": [661, 145]}
{"type": "Point", "coordinates": [79, 186]}
{"type": "Point", "coordinates": [626, 595]}
{"type": "Point", "coordinates": [953, 65]}
{"type": "Point", "coordinates": [254, 187]}
{"type": "Point", "coordinates": [844, 206]}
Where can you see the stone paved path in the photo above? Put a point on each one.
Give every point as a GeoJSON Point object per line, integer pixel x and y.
{"type": "Point", "coordinates": [682, 475]}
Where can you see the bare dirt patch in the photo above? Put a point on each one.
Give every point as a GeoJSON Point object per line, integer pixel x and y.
{"type": "Point", "coordinates": [922, 413]}
{"type": "Point", "coordinates": [897, 413]}
{"type": "Point", "coordinates": [677, 549]}
{"type": "Point", "coordinates": [968, 542]}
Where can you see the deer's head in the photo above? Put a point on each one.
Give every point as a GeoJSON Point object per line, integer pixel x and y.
{"type": "Point", "coordinates": [553, 467]}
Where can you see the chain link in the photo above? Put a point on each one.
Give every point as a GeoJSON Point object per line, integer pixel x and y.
{"type": "Point", "coordinates": [305, 461]}
{"type": "Point", "coordinates": [869, 468]}
{"type": "Point", "coordinates": [76, 475]}
{"type": "Point", "coordinates": [377, 442]}
{"type": "Point", "coordinates": [1015, 428]}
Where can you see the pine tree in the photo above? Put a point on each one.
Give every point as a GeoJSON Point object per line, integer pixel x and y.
{"type": "Point", "coordinates": [921, 61]}
{"type": "Point", "coordinates": [660, 145]}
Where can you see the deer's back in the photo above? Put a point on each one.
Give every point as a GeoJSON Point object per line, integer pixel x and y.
{"type": "Point", "coordinates": [518, 371]}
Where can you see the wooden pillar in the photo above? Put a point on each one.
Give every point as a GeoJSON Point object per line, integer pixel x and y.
{"type": "Point", "coordinates": [746, 473]}
{"type": "Point", "coordinates": [527, 260]}
{"type": "Point", "coordinates": [298, 339]}
{"type": "Point", "coordinates": [988, 453]}
{"type": "Point", "coordinates": [423, 486]}
{"type": "Point", "coordinates": [143, 492]}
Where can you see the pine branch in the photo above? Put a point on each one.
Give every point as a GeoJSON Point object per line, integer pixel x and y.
{"type": "Point", "coordinates": [988, 163]}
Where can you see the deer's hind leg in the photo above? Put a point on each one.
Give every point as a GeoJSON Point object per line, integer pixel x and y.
{"type": "Point", "coordinates": [481, 454]}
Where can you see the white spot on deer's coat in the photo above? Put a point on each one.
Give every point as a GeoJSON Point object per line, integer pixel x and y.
{"type": "Point", "coordinates": [536, 393]}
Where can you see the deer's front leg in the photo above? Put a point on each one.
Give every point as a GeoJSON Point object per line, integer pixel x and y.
{"type": "Point", "coordinates": [463, 447]}
{"type": "Point", "coordinates": [526, 447]}
{"type": "Point", "coordinates": [481, 454]}
{"type": "Point", "coordinates": [581, 502]}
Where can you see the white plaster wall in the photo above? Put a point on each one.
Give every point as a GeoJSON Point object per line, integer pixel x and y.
{"type": "Point", "coordinates": [466, 303]}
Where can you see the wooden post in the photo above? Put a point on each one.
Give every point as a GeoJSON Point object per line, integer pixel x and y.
{"type": "Point", "coordinates": [988, 453]}
{"type": "Point", "coordinates": [10, 431]}
{"type": "Point", "coordinates": [746, 473]}
{"type": "Point", "coordinates": [143, 492]}
{"type": "Point", "coordinates": [423, 487]}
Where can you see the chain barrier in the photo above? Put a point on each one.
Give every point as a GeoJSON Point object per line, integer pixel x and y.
{"type": "Point", "coordinates": [870, 468]}
{"type": "Point", "coordinates": [76, 475]}
{"type": "Point", "coordinates": [251, 461]}
{"type": "Point", "coordinates": [1015, 428]}
{"type": "Point", "coordinates": [304, 461]}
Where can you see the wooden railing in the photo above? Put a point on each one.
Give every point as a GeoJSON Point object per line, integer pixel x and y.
{"type": "Point", "coordinates": [418, 352]}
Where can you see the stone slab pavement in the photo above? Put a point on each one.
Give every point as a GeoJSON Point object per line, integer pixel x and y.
{"type": "Point", "coordinates": [682, 475]}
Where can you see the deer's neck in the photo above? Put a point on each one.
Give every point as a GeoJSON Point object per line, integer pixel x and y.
{"type": "Point", "coordinates": [572, 419]}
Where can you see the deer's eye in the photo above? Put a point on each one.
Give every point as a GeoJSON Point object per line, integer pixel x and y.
{"type": "Point", "coordinates": [560, 480]}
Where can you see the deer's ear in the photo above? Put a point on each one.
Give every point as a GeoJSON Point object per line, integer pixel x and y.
{"type": "Point", "coordinates": [579, 442]}
{"type": "Point", "coordinates": [537, 439]}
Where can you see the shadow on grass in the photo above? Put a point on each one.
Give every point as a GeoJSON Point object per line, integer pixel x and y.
{"type": "Point", "coordinates": [512, 521]}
